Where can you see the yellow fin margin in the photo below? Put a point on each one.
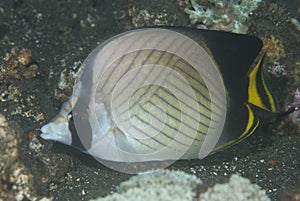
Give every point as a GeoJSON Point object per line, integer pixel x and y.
{"type": "Point", "coordinates": [251, 126]}
{"type": "Point", "coordinates": [254, 96]}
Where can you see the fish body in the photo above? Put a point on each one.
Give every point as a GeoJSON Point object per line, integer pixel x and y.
{"type": "Point", "coordinates": [164, 93]}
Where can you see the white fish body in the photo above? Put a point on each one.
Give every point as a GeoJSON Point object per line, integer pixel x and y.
{"type": "Point", "coordinates": [145, 95]}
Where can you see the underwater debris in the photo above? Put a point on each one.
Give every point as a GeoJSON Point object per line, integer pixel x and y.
{"type": "Point", "coordinates": [296, 23]}
{"type": "Point", "coordinates": [16, 183]}
{"type": "Point", "coordinates": [24, 57]}
{"type": "Point", "coordinates": [8, 92]}
{"type": "Point", "coordinates": [66, 80]}
{"type": "Point", "coordinates": [16, 66]}
{"type": "Point", "coordinates": [277, 70]}
{"type": "Point", "coordinates": [222, 15]}
{"type": "Point", "coordinates": [144, 17]}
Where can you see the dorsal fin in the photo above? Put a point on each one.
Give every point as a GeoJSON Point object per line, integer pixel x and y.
{"type": "Point", "coordinates": [233, 53]}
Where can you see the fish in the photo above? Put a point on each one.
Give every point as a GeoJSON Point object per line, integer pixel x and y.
{"type": "Point", "coordinates": [165, 93]}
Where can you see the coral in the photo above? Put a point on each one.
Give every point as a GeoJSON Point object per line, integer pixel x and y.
{"type": "Point", "coordinates": [295, 116]}
{"type": "Point", "coordinates": [160, 185]}
{"type": "Point", "coordinates": [274, 49]}
{"type": "Point", "coordinates": [226, 15]}
{"type": "Point", "coordinates": [237, 189]}
{"type": "Point", "coordinates": [177, 185]}
{"type": "Point", "coordinates": [8, 150]}
{"type": "Point", "coordinates": [274, 52]}
{"type": "Point", "coordinates": [297, 98]}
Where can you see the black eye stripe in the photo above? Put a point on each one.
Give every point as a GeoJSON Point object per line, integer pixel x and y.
{"type": "Point", "coordinates": [81, 143]}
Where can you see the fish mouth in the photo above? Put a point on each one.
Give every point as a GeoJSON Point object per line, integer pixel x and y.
{"type": "Point", "coordinates": [46, 135]}
{"type": "Point", "coordinates": [56, 132]}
